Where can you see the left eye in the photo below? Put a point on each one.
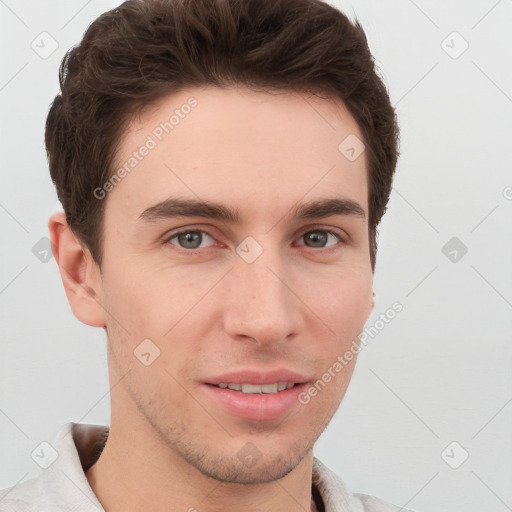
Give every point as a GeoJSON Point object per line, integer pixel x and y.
{"type": "Point", "coordinates": [319, 237]}
{"type": "Point", "coordinates": [190, 239]}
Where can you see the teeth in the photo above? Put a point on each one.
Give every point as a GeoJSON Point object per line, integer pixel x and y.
{"type": "Point", "coordinates": [256, 388]}
{"type": "Point", "coordinates": [252, 388]}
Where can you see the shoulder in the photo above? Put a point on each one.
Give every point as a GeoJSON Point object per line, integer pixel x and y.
{"type": "Point", "coordinates": [23, 497]}
{"type": "Point", "coordinates": [374, 504]}
{"type": "Point", "coordinates": [62, 485]}
{"type": "Point", "coordinates": [337, 497]}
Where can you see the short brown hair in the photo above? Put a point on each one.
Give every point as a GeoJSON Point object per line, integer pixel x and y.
{"type": "Point", "coordinates": [145, 49]}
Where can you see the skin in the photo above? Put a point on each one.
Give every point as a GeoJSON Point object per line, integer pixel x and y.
{"type": "Point", "coordinates": [298, 305]}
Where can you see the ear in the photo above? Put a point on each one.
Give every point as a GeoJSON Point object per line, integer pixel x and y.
{"type": "Point", "coordinates": [371, 306]}
{"type": "Point", "coordinates": [79, 272]}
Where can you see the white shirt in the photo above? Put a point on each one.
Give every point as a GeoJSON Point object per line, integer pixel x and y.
{"type": "Point", "coordinates": [63, 486]}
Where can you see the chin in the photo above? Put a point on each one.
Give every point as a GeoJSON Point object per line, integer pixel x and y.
{"type": "Point", "coordinates": [261, 472]}
{"type": "Point", "coordinates": [249, 466]}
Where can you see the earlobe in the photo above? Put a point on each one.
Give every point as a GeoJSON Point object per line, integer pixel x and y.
{"type": "Point", "coordinates": [371, 306]}
{"type": "Point", "coordinates": [79, 272]}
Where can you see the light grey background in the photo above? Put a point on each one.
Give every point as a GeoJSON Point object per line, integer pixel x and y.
{"type": "Point", "coordinates": [439, 372]}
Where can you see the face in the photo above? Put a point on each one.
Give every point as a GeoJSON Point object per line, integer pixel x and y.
{"type": "Point", "coordinates": [268, 282]}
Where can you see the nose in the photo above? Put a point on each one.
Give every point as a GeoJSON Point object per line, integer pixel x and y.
{"type": "Point", "coordinates": [261, 303]}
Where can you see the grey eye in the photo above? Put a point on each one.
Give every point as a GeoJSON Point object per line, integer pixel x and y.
{"type": "Point", "coordinates": [190, 239]}
{"type": "Point", "coordinates": [319, 238]}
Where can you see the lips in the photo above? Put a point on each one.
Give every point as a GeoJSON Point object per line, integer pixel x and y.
{"type": "Point", "coordinates": [258, 378]}
{"type": "Point", "coordinates": [256, 396]}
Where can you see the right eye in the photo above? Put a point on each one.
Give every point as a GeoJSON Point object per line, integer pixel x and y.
{"type": "Point", "coordinates": [189, 239]}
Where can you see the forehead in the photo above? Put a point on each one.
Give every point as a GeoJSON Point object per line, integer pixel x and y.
{"type": "Point", "coordinates": [255, 150]}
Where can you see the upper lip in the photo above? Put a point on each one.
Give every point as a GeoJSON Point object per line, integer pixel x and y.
{"type": "Point", "coordinates": [258, 377]}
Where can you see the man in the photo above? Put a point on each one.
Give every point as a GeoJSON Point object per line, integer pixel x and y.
{"type": "Point", "coordinates": [223, 166]}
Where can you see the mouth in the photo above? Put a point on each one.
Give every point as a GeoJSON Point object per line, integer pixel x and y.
{"type": "Point", "coordinates": [256, 394]}
{"type": "Point", "coordinates": [255, 402]}
{"type": "Point", "coordinates": [251, 389]}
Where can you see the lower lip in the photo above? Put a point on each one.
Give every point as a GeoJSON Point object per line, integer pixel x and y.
{"type": "Point", "coordinates": [256, 406]}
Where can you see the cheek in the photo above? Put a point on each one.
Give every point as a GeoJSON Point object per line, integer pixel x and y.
{"type": "Point", "coordinates": [344, 309]}
{"type": "Point", "coordinates": [144, 302]}
{"type": "Point", "coordinates": [345, 303]}
{"type": "Point", "coordinates": [324, 395]}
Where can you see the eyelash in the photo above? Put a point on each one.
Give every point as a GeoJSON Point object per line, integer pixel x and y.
{"type": "Point", "coordinates": [341, 240]}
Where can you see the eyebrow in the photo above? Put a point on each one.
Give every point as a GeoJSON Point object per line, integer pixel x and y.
{"type": "Point", "coordinates": [176, 207]}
